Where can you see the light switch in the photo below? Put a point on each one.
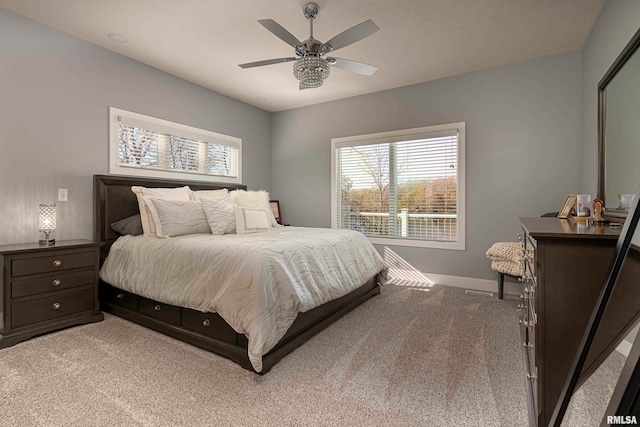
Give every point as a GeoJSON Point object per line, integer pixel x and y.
{"type": "Point", "coordinates": [63, 194]}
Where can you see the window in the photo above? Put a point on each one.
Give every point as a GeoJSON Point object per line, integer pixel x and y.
{"type": "Point", "coordinates": [143, 145]}
{"type": "Point", "coordinates": [403, 187]}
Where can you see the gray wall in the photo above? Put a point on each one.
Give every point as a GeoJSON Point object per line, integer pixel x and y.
{"type": "Point", "coordinates": [617, 23]}
{"type": "Point", "coordinates": [523, 144]}
{"type": "Point", "coordinates": [55, 91]}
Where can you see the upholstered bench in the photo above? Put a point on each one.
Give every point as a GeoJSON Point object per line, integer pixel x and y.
{"type": "Point", "coordinates": [506, 259]}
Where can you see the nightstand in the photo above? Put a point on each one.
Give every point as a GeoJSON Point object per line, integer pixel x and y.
{"type": "Point", "coordinates": [45, 288]}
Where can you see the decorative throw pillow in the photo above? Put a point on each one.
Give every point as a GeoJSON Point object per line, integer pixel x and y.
{"type": "Point", "coordinates": [131, 225]}
{"type": "Point", "coordinates": [255, 200]}
{"type": "Point", "coordinates": [221, 215]}
{"type": "Point", "coordinates": [177, 217]}
{"type": "Point", "coordinates": [148, 226]}
{"type": "Point", "coordinates": [223, 193]}
{"type": "Point", "coordinates": [250, 220]}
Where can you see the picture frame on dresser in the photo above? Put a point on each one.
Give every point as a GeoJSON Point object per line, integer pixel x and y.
{"type": "Point", "coordinates": [568, 206]}
{"type": "Point", "coordinates": [275, 208]}
{"type": "Point", "coordinates": [619, 294]}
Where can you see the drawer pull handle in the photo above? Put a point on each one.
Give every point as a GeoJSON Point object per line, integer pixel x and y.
{"type": "Point", "coordinates": [57, 263]}
{"type": "Point", "coordinates": [157, 307]}
{"type": "Point", "coordinates": [531, 377]}
{"type": "Point", "coordinates": [56, 306]}
{"type": "Point", "coordinates": [206, 322]}
{"type": "Point", "coordinates": [57, 282]}
{"type": "Point", "coordinates": [527, 324]}
{"type": "Point", "coordinates": [120, 296]}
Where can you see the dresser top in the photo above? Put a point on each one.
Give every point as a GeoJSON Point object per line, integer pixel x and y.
{"type": "Point", "coordinates": [60, 244]}
{"type": "Point", "coordinates": [539, 227]}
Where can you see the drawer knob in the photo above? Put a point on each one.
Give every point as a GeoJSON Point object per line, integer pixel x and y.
{"type": "Point", "coordinates": [120, 296]}
{"type": "Point", "coordinates": [206, 322]}
{"type": "Point", "coordinates": [57, 263]}
{"type": "Point", "coordinates": [57, 282]}
{"type": "Point", "coordinates": [526, 324]}
{"type": "Point", "coordinates": [157, 307]}
{"type": "Point", "coordinates": [56, 306]}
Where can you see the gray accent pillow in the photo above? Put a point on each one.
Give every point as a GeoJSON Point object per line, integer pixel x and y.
{"type": "Point", "coordinates": [177, 217]}
{"type": "Point", "coordinates": [221, 215]}
{"type": "Point", "coordinates": [131, 225]}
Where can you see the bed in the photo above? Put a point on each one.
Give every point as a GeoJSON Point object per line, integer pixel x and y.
{"type": "Point", "coordinates": [115, 201]}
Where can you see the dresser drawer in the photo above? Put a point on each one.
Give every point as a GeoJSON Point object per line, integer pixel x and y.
{"type": "Point", "coordinates": [209, 324]}
{"type": "Point", "coordinates": [51, 307]}
{"type": "Point", "coordinates": [165, 312]}
{"type": "Point", "coordinates": [50, 264]}
{"type": "Point", "coordinates": [64, 280]}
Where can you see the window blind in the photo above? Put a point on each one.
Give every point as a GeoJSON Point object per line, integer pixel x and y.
{"type": "Point", "coordinates": [154, 146]}
{"type": "Point", "coordinates": [399, 187]}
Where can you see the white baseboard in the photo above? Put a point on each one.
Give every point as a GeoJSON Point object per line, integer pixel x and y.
{"type": "Point", "coordinates": [475, 284]}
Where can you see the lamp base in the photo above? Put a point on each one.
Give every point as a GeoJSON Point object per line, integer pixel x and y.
{"type": "Point", "coordinates": [47, 242]}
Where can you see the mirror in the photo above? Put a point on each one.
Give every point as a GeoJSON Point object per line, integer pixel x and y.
{"type": "Point", "coordinates": [619, 130]}
{"type": "Point", "coordinates": [615, 315]}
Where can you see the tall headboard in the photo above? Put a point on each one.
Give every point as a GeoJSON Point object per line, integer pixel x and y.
{"type": "Point", "coordinates": [114, 200]}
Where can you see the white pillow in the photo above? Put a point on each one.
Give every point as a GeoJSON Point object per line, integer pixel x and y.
{"type": "Point", "coordinates": [250, 220]}
{"type": "Point", "coordinates": [177, 217]}
{"type": "Point", "coordinates": [221, 215]}
{"type": "Point", "coordinates": [211, 194]}
{"type": "Point", "coordinates": [255, 200]}
{"type": "Point", "coordinates": [148, 226]}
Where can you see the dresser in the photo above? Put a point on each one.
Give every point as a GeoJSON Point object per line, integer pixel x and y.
{"type": "Point", "coordinates": [565, 266]}
{"type": "Point", "coordinates": [45, 288]}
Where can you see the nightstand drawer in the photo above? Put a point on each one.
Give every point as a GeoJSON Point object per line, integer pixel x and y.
{"type": "Point", "coordinates": [49, 264]}
{"type": "Point", "coordinates": [51, 307]}
{"type": "Point", "coordinates": [65, 280]}
{"type": "Point", "coordinates": [166, 312]}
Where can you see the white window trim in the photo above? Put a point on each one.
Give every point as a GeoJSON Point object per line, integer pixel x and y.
{"type": "Point", "coordinates": [399, 135]}
{"type": "Point", "coordinates": [116, 169]}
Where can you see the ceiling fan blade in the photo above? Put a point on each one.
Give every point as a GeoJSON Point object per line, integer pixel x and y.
{"type": "Point", "coordinates": [266, 62]}
{"type": "Point", "coordinates": [352, 35]}
{"type": "Point", "coordinates": [280, 32]}
{"type": "Point", "coordinates": [353, 66]}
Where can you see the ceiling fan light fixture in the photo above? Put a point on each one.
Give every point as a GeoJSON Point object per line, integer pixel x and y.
{"type": "Point", "coordinates": [311, 71]}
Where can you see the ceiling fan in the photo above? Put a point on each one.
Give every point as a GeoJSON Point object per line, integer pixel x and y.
{"type": "Point", "coordinates": [310, 66]}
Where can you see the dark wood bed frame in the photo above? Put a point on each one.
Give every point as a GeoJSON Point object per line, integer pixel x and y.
{"type": "Point", "coordinates": [114, 200]}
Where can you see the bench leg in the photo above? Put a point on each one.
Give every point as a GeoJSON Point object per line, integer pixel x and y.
{"type": "Point", "coordinates": [500, 285]}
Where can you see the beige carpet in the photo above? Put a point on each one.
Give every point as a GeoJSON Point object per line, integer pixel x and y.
{"type": "Point", "coordinates": [409, 357]}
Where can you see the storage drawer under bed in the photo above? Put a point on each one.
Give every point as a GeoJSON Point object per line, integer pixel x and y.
{"type": "Point", "coordinates": [165, 312]}
{"type": "Point", "coordinates": [115, 296]}
{"type": "Point", "coordinates": [209, 324]}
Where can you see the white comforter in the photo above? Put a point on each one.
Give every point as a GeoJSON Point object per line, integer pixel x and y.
{"type": "Point", "coordinates": [258, 283]}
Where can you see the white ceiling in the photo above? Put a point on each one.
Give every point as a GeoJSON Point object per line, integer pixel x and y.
{"type": "Point", "coordinates": [203, 41]}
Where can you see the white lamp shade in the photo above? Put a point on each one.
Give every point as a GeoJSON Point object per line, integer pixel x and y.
{"type": "Point", "coordinates": [47, 218]}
